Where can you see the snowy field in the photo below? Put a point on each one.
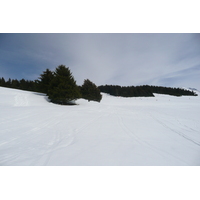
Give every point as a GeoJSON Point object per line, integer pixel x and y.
{"type": "Point", "coordinates": [152, 131]}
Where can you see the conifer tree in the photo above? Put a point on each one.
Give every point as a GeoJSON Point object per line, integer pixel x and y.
{"type": "Point", "coordinates": [90, 91]}
{"type": "Point", "coordinates": [2, 81]}
{"type": "Point", "coordinates": [15, 84]}
{"type": "Point", "coordinates": [45, 80]}
{"type": "Point", "coordinates": [8, 83]}
{"type": "Point", "coordinates": [63, 88]}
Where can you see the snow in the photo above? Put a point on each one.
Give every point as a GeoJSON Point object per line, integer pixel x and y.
{"type": "Point", "coordinates": [160, 131]}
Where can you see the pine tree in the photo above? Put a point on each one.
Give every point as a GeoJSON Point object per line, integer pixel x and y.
{"type": "Point", "coordinates": [2, 82]}
{"type": "Point", "coordinates": [15, 84]}
{"type": "Point", "coordinates": [45, 80]}
{"type": "Point", "coordinates": [23, 84]}
{"type": "Point", "coordinates": [63, 88]}
{"type": "Point", "coordinates": [8, 83]}
{"type": "Point", "coordinates": [90, 91]}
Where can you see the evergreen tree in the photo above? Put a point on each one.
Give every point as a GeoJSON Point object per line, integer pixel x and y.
{"type": "Point", "coordinates": [2, 82]}
{"type": "Point", "coordinates": [23, 84]}
{"type": "Point", "coordinates": [15, 84]}
{"type": "Point", "coordinates": [63, 88]}
{"type": "Point", "coordinates": [90, 91]}
{"type": "Point", "coordinates": [8, 83]}
{"type": "Point", "coordinates": [45, 80]}
{"type": "Point", "coordinates": [143, 91]}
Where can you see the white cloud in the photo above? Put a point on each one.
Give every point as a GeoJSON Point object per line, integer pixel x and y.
{"type": "Point", "coordinates": [123, 59]}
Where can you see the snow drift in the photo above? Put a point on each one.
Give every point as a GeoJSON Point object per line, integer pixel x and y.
{"type": "Point", "coordinates": [160, 130]}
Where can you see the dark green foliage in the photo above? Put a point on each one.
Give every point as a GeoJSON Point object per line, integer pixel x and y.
{"type": "Point", "coordinates": [143, 91]}
{"type": "Point", "coordinates": [9, 83]}
{"type": "Point", "coordinates": [45, 80]}
{"type": "Point", "coordinates": [2, 82]}
{"type": "Point", "coordinates": [129, 91]}
{"type": "Point", "coordinates": [15, 84]}
{"type": "Point", "coordinates": [22, 84]}
{"type": "Point", "coordinates": [28, 85]}
{"type": "Point", "coordinates": [60, 85]}
{"type": "Point", "coordinates": [90, 91]}
{"type": "Point", "coordinates": [171, 91]}
{"type": "Point", "coordinates": [62, 88]}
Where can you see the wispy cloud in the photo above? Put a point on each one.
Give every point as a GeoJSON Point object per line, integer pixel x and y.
{"type": "Point", "coordinates": [124, 59]}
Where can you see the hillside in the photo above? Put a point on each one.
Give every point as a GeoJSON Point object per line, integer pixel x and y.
{"type": "Point", "coordinates": [160, 130]}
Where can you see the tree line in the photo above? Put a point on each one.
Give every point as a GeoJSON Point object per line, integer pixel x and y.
{"type": "Point", "coordinates": [61, 88]}
{"type": "Point", "coordinates": [143, 91]}
{"type": "Point", "coordinates": [59, 85]}
{"type": "Point", "coordinates": [19, 84]}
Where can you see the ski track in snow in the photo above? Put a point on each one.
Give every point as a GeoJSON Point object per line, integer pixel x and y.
{"type": "Point", "coordinates": [151, 147]}
{"type": "Point", "coordinates": [117, 131]}
{"type": "Point", "coordinates": [173, 126]}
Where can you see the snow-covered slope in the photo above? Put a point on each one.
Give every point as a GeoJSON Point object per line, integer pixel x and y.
{"type": "Point", "coordinates": [161, 130]}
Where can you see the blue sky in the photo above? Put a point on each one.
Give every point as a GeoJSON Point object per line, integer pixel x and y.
{"type": "Point", "coordinates": [114, 58]}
